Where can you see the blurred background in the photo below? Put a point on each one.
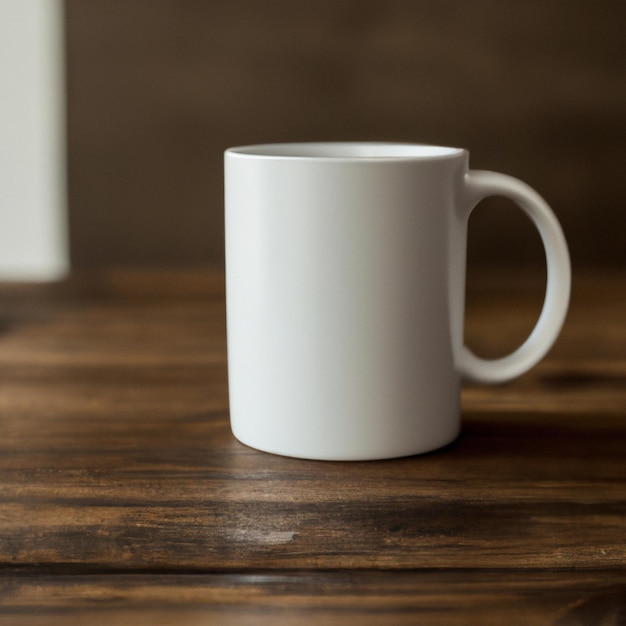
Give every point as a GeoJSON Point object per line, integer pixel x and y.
{"type": "Point", "coordinates": [155, 90]}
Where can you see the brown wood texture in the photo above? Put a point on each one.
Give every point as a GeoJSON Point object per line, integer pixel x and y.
{"type": "Point", "coordinates": [439, 598]}
{"type": "Point", "coordinates": [121, 485]}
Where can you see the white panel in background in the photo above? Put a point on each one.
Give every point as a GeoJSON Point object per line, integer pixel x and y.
{"type": "Point", "coordinates": [33, 215]}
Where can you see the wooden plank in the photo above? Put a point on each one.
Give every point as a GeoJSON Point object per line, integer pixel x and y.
{"type": "Point", "coordinates": [437, 598]}
{"type": "Point", "coordinates": [115, 451]}
{"type": "Point", "coordinates": [161, 491]}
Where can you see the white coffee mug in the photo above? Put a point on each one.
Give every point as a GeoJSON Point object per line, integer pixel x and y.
{"type": "Point", "coordinates": [345, 270]}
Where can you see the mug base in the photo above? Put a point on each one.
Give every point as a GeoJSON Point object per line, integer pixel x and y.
{"type": "Point", "coordinates": [352, 455]}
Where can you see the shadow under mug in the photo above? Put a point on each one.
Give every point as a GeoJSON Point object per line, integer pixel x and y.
{"type": "Point", "coordinates": [345, 278]}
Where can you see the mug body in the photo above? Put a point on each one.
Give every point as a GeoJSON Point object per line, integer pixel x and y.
{"type": "Point", "coordinates": [345, 287]}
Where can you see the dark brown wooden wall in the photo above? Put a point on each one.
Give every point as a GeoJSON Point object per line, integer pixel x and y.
{"type": "Point", "coordinates": [158, 89]}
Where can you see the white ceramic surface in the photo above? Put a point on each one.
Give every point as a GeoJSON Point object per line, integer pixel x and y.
{"type": "Point", "coordinates": [345, 266]}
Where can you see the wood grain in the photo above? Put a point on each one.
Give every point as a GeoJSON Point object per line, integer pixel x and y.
{"type": "Point", "coordinates": [434, 598]}
{"type": "Point", "coordinates": [116, 459]}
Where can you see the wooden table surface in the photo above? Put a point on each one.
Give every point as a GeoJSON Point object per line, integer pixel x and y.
{"type": "Point", "coordinates": [124, 498]}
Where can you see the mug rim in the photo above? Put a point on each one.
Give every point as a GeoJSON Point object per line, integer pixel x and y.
{"type": "Point", "coordinates": [346, 151]}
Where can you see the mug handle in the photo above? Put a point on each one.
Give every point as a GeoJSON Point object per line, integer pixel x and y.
{"type": "Point", "coordinates": [479, 185]}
